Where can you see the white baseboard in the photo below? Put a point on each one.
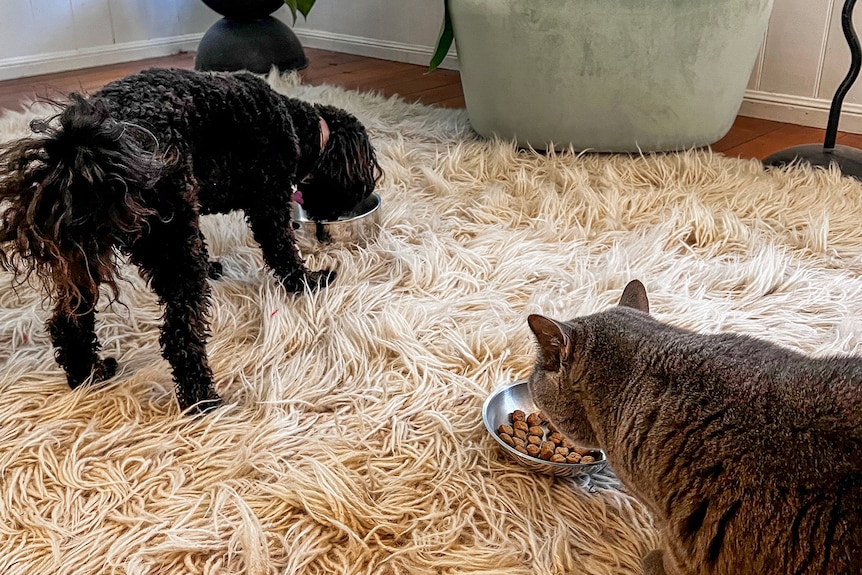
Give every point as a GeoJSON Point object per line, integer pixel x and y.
{"type": "Point", "coordinates": [24, 66]}
{"type": "Point", "coordinates": [804, 111]}
{"type": "Point", "coordinates": [373, 48]}
{"type": "Point", "coordinates": [779, 107]}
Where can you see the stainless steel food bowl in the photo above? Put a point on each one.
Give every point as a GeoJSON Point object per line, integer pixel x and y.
{"type": "Point", "coordinates": [506, 399]}
{"type": "Point", "coordinates": [357, 227]}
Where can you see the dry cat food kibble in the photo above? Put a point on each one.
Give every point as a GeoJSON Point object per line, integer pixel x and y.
{"type": "Point", "coordinates": [526, 434]}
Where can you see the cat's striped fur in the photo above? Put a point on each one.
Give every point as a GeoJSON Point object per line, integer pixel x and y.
{"type": "Point", "coordinates": [749, 455]}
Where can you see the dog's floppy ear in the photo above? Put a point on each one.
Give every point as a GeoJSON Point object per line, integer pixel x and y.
{"type": "Point", "coordinates": [349, 153]}
{"type": "Point", "coordinates": [347, 170]}
{"type": "Point", "coordinates": [351, 159]}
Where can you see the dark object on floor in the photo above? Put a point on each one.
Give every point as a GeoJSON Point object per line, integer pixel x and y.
{"type": "Point", "coordinates": [848, 160]}
{"type": "Point", "coordinates": [248, 38]}
{"type": "Point", "coordinates": [130, 170]}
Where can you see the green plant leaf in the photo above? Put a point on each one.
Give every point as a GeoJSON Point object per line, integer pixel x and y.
{"type": "Point", "coordinates": [304, 6]}
{"type": "Point", "coordinates": [292, 5]}
{"type": "Point", "coordinates": [444, 42]}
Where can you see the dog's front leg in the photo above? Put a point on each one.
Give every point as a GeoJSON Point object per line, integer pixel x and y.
{"type": "Point", "coordinates": [75, 344]}
{"type": "Point", "coordinates": [272, 230]}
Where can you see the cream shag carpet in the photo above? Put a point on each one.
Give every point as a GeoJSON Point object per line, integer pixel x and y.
{"type": "Point", "coordinates": [352, 439]}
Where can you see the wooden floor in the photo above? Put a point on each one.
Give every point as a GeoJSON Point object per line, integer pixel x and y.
{"type": "Point", "coordinates": [748, 138]}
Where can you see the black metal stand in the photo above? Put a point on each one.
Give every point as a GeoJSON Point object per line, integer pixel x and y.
{"type": "Point", "coordinates": [848, 160]}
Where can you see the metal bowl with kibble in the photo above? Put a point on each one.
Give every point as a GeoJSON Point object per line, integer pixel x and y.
{"type": "Point", "coordinates": [515, 397]}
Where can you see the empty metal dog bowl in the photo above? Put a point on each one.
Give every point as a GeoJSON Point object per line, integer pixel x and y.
{"type": "Point", "coordinates": [357, 227]}
{"type": "Point", "coordinates": [495, 412]}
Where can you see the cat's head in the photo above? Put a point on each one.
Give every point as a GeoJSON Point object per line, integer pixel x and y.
{"type": "Point", "coordinates": [563, 364]}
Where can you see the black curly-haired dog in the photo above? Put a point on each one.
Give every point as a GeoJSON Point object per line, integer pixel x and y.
{"type": "Point", "coordinates": [132, 168]}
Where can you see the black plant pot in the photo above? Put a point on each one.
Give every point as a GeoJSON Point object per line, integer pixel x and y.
{"type": "Point", "coordinates": [248, 38]}
{"type": "Point", "coordinates": [244, 9]}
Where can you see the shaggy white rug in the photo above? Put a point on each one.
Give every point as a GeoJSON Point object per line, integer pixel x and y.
{"type": "Point", "coordinates": [352, 439]}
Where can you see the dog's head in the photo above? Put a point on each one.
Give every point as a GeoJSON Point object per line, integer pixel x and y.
{"type": "Point", "coordinates": [346, 172]}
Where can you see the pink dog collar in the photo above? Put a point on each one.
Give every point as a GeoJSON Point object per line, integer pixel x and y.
{"type": "Point", "coordinates": [296, 196]}
{"type": "Point", "coordinates": [324, 134]}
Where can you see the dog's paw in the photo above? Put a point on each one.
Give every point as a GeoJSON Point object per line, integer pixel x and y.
{"type": "Point", "coordinates": [105, 369]}
{"type": "Point", "coordinates": [320, 279]}
{"type": "Point", "coordinates": [313, 280]}
{"type": "Point", "coordinates": [216, 270]}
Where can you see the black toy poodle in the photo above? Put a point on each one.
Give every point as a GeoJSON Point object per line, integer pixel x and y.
{"type": "Point", "coordinates": [130, 170]}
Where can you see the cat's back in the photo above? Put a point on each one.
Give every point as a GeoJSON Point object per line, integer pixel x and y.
{"type": "Point", "coordinates": [779, 413]}
{"type": "Point", "coordinates": [754, 450]}
{"type": "Point", "coordinates": [733, 369]}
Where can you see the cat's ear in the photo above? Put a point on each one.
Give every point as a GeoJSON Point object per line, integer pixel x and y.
{"type": "Point", "coordinates": [554, 345]}
{"type": "Point", "coordinates": [634, 296]}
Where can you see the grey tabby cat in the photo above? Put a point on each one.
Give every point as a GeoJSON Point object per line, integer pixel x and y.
{"type": "Point", "coordinates": [748, 455]}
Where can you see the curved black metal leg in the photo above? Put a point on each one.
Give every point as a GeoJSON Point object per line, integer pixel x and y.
{"type": "Point", "coordinates": [850, 78]}
{"type": "Point", "coordinates": [848, 160]}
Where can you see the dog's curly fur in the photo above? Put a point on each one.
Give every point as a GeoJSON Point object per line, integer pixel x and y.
{"type": "Point", "coordinates": [131, 169]}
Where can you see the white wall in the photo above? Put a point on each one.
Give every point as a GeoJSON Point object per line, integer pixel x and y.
{"type": "Point", "coordinates": [42, 36]}
{"type": "Point", "coordinates": [803, 59]}
{"type": "Point", "coordinates": [403, 30]}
